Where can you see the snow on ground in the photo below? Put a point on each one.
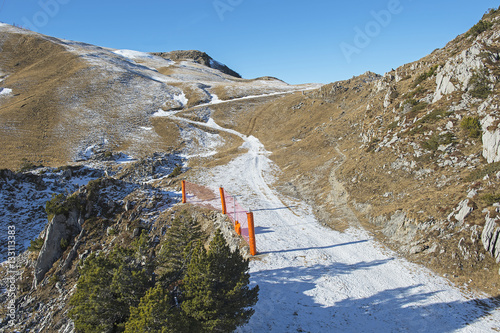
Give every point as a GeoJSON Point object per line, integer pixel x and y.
{"type": "Point", "coordinates": [22, 201]}
{"type": "Point", "coordinates": [151, 61]}
{"type": "Point", "coordinates": [181, 98]}
{"type": "Point", "coordinates": [5, 91]}
{"type": "Point", "coordinates": [314, 279]}
{"type": "Point", "coordinates": [216, 100]}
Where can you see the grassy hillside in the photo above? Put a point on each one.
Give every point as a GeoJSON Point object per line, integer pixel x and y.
{"type": "Point", "coordinates": [410, 155]}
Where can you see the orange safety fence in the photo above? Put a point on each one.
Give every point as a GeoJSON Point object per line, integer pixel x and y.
{"type": "Point", "coordinates": [203, 196]}
{"type": "Point", "coordinates": [237, 214]}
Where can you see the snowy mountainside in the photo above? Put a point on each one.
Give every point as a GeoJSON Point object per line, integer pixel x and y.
{"type": "Point", "coordinates": [92, 95]}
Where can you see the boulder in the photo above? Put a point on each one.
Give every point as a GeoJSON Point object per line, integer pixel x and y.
{"type": "Point", "coordinates": [60, 227]}
{"type": "Point", "coordinates": [491, 236]}
{"type": "Point", "coordinates": [461, 212]}
{"type": "Point", "coordinates": [491, 140]}
{"type": "Point", "coordinates": [444, 87]}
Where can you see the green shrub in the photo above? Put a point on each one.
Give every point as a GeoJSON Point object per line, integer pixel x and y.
{"type": "Point", "coordinates": [424, 76]}
{"type": "Point", "coordinates": [392, 125]}
{"type": "Point", "coordinates": [59, 205]}
{"type": "Point", "coordinates": [486, 170]}
{"type": "Point", "coordinates": [93, 188]}
{"type": "Point", "coordinates": [479, 27]}
{"type": "Point", "coordinates": [36, 245]}
{"type": "Point", "coordinates": [64, 243]}
{"type": "Point", "coordinates": [472, 126]}
{"type": "Point", "coordinates": [417, 92]}
{"type": "Point", "coordinates": [176, 172]}
{"type": "Point", "coordinates": [107, 287]}
{"type": "Point", "coordinates": [480, 84]}
{"type": "Point", "coordinates": [112, 232]}
{"type": "Point", "coordinates": [417, 107]}
{"type": "Point", "coordinates": [491, 198]}
{"type": "Point", "coordinates": [434, 115]}
{"type": "Point", "coordinates": [437, 140]}
{"type": "Point", "coordinates": [216, 288]}
{"type": "Point", "coordinates": [410, 101]}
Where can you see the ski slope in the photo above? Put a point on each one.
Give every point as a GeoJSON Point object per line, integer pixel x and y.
{"type": "Point", "coordinates": [314, 279]}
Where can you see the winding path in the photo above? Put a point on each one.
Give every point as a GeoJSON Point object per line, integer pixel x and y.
{"type": "Point", "coordinates": [314, 279]}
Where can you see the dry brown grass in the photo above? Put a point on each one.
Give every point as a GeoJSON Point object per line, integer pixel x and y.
{"type": "Point", "coordinates": [29, 118]}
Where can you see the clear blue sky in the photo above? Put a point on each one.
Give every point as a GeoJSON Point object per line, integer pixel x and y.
{"type": "Point", "coordinates": [296, 41]}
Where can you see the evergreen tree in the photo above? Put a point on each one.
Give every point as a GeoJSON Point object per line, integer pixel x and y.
{"type": "Point", "coordinates": [175, 253]}
{"type": "Point", "coordinates": [158, 312]}
{"type": "Point", "coordinates": [108, 286]}
{"type": "Point", "coordinates": [216, 292]}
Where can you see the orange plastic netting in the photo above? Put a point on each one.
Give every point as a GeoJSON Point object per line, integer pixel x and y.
{"type": "Point", "coordinates": [204, 196]}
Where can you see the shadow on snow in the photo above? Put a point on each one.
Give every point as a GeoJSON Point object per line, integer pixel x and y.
{"type": "Point", "coordinates": [313, 248]}
{"type": "Point", "coordinates": [296, 306]}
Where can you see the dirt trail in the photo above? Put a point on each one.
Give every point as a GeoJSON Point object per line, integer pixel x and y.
{"type": "Point", "coordinates": [316, 279]}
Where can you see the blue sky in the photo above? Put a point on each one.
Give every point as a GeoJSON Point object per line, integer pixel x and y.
{"type": "Point", "coordinates": [296, 41]}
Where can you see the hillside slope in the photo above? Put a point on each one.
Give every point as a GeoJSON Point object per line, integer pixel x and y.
{"type": "Point", "coordinates": [412, 155]}
{"type": "Point", "coordinates": [64, 99]}
{"type": "Point", "coordinates": [409, 159]}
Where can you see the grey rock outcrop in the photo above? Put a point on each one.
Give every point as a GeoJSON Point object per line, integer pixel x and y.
{"type": "Point", "coordinates": [444, 86]}
{"type": "Point", "coordinates": [397, 226]}
{"type": "Point", "coordinates": [199, 57]}
{"type": "Point", "coordinates": [60, 227]}
{"type": "Point", "coordinates": [233, 240]}
{"type": "Point", "coordinates": [491, 139]}
{"type": "Point", "coordinates": [491, 236]}
{"type": "Point", "coordinates": [461, 212]}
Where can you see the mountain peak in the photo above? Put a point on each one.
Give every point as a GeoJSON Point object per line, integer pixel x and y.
{"type": "Point", "coordinates": [199, 57]}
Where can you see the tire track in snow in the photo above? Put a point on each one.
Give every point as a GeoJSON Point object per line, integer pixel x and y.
{"type": "Point", "coordinates": [316, 279]}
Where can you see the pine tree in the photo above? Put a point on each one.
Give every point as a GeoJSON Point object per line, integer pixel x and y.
{"type": "Point", "coordinates": [175, 253]}
{"type": "Point", "coordinates": [108, 286]}
{"type": "Point", "coordinates": [157, 312]}
{"type": "Point", "coordinates": [216, 292]}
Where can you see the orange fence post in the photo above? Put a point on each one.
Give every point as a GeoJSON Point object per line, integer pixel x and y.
{"type": "Point", "coordinates": [223, 200]}
{"type": "Point", "coordinates": [183, 183]}
{"type": "Point", "coordinates": [237, 227]}
{"type": "Point", "coordinates": [251, 234]}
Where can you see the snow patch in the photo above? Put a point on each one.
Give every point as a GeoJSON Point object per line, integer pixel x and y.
{"type": "Point", "coordinates": [131, 54]}
{"type": "Point", "coordinates": [215, 99]}
{"type": "Point", "coordinates": [124, 159]}
{"type": "Point", "coordinates": [182, 99]}
{"type": "Point", "coordinates": [5, 91]}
